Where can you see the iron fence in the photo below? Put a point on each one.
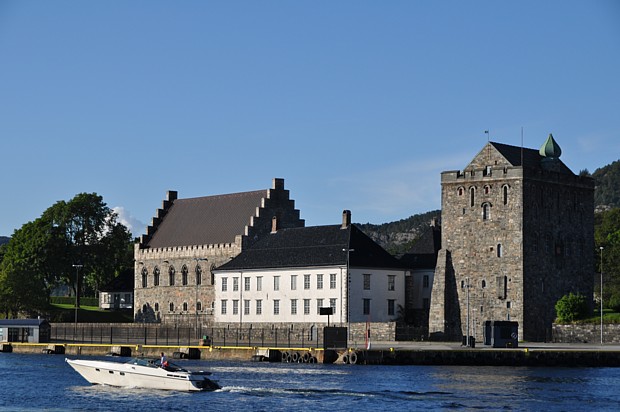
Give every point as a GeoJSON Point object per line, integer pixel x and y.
{"type": "Point", "coordinates": [187, 335]}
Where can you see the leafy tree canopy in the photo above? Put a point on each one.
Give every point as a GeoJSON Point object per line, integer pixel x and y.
{"type": "Point", "coordinates": [79, 237]}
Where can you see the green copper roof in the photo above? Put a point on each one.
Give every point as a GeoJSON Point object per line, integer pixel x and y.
{"type": "Point", "coordinates": [550, 148]}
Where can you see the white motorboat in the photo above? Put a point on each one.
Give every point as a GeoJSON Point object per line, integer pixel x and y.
{"type": "Point", "coordinates": [143, 373]}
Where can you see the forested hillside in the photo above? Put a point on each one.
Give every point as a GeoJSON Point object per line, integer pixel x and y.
{"type": "Point", "coordinates": [607, 192]}
{"type": "Point", "coordinates": [397, 237]}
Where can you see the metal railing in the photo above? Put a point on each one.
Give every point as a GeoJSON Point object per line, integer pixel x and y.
{"type": "Point", "coordinates": [187, 335]}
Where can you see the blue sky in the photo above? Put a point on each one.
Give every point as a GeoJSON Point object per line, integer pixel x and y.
{"type": "Point", "coordinates": [357, 104]}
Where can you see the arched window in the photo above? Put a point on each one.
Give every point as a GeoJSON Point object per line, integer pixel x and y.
{"type": "Point", "coordinates": [198, 275]}
{"type": "Point", "coordinates": [184, 306]}
{"type": "Point", "coordinates": [198, 306]}
{"type": "Point", "coordinates": [460, 191]}
{"type": "Point", "coordinates": [171, 307]}
{"type": "Point", "coordinates": [184, 275]}
{"type": "Point", "coordinates": [505, 194]}
{"type": "Point", "coordinates": [171, 275]}
{"type": "Point", "coordinates": [144, 277]}
{"type": "Point", "coordinates": [156, 307]}
{"type": "Point", "coordinates": [487, 189]}
{"type": "Point", "coordinates": [499, 250]}
{"type": "Point", "coordinates": [483, 283]}
{"type": "Point", "coordinates": [472, 196]}
{"type": "Point", "coordinates": [486, 211]}
{"type": "Point", "coordinates": [156, 276]}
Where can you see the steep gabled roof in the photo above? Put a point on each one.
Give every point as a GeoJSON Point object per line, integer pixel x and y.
{"type": "Point", "coordinates": [312, 247]}
{"type": "Point", "coordinates": [122, 283]}
{"type": "Point", "coordinates": [207, 220]}
{"type": "Point", "coordinates": [520, 156]}
{"type": "Point", "coordinates": [423, 254]}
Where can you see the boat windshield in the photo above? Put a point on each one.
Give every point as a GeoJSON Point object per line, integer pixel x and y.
{"type": "Point", "coordinates": [142, 362]}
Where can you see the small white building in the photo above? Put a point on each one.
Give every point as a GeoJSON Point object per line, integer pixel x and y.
{"type": "Point", "coordinates": [289, 275]}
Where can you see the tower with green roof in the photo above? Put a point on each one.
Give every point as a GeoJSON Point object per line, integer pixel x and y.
{"type": "Point", "coordinates": [517, 235]}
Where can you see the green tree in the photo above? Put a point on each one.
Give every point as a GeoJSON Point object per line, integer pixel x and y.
{"type": "Point", "coordinates": [571, 307]}
{"type": "Point", "coordinates": [77, 243]}
{"type": "Point", "coordinates": [607, 236]}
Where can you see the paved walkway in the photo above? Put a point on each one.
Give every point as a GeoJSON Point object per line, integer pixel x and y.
{"type": "Point", "coordinates": [522, 345]}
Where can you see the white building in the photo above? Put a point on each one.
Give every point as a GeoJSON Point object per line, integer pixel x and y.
{"type": "Point", "coordinates": [289, 275]}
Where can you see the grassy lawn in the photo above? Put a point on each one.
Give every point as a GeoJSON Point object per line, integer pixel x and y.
{"type": "Point", "coordinates": [608, 317]}
{"type": "Point", "coordinates": [90, 314]}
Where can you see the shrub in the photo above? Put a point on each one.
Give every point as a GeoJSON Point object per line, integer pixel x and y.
{"type": "Point", "coordinates": [571, 307]}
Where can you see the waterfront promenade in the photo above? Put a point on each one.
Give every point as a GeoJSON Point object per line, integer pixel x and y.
{"type": "Point", "coordinates": [381, 352]}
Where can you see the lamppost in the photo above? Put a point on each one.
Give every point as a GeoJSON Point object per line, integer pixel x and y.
{"type": "Point", "coordinates": [348, 283]}
{"type": "Point", "coordinates": [198, 272]}
{"type": "Point", "coordinates": [77, 292]}
{"type": "Point", "coordinates": [467, 286]}
{"type": "Point", "coordinates": [601, 294]}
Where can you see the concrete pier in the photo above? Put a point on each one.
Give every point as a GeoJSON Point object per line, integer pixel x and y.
{"type": "Point", "coordinates": [381, 353]}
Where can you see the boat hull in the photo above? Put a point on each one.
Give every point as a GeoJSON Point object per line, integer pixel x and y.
{"type": "Point", "coordinates": [141, 374]}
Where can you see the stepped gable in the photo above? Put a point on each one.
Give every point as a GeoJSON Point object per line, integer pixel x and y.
{"type": "Point", "coordinates": [206, 220]}
{"type": "Point", "coordinates": [220, 219]}
{"type": "Point", "coordinates": [314, 246]}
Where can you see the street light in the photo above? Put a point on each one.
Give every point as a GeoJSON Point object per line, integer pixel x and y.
{"type": "Point", "coordinates": [77, 292]}
{"type": "Point", "coordinates": [601, 295]}
{"type": "Point", "coordinates": [348, 283]}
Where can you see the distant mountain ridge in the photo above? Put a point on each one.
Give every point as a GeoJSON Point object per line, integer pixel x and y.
{"type": "Point", "coordinates": [4, 239]}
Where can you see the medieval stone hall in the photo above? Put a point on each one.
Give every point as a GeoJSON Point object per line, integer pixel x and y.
{"type": "Point", "coordinates": [517, 235]}
{"type": "Point", "coordinates": [189, 237]}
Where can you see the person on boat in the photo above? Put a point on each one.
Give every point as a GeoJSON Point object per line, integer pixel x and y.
{"type": "Point", "coordinates": [163, 361]}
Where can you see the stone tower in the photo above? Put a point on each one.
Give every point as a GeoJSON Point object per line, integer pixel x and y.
{"type": "Point", "coordinates": [517, 235]}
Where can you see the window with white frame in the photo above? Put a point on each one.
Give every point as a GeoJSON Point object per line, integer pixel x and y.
{"type": "Point", "coordinates": [391, 282]}
{"type": "Point", "coordinates": [332, 304]}
{"type": "Point", "coordinates": [306, 306]}
{"type": "Point", "coordinates": [235, 284]}
{"type": "Point", "coordinates": [319, 305]}
{"type": "Point", "coordinates": [276, 283]}
{"type": "Point", "coordinates": [319, 281]}
{"type": "Point", "coordinates": [293, 306]}
{"type": "Point", "coordinates": [224, 284]}
{"type": "Point", "coordinates": [223, 306]}
{"type": "Point", "coordinates": [366, 306]}
{"type": "Point", "coordinates": [246, 306]}
{"type": "Point", "coordinates": [391, 306]}
{"type": "Point", "coordinates": [259, 306]}
{"type": "Point", "coordinates": [276, 306]}
{"type": "Point", "coordinates": [366, 281]}
{"type": "Point", "coordinates": [246, 285]}
{"type": "Point", "coordinates": [293, 282]}
{"type": "Point", "coordinates": [259, 283]}
{"type": "Point", "coordinates": [306, 282]}
{"type": "Point", "coordinates": [235, 307]}
{"type": "Point", "coordinates": [332, 281]}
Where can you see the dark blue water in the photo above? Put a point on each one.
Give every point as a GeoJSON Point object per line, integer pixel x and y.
{"type": "Point", "coordinates": [46, 382]}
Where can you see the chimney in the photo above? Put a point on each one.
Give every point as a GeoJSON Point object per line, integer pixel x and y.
{"type": "Point", "coordinates": [278, 183]}
{"type": "Point", "coordinates": [274, 224]}
{"type": "Point", "coordinates": [346, 219]}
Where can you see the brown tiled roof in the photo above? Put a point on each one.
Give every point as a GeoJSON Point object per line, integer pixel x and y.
{"type": "Point", "coordinates": [207, 220]}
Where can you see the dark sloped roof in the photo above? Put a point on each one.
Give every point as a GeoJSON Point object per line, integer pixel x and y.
{"type": "Point", "coordinates": [531, 157]}
{"type": "Point", "coordinates": [423, 254]}
{"type": "Point", "coordinates": [207, 220]}
{"type": "Point", "coordinates": [122, 283]}
{"type": "Point", "coordinates": [313, 246]}
{"type": "Point", "coordinates": [23, 322]}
